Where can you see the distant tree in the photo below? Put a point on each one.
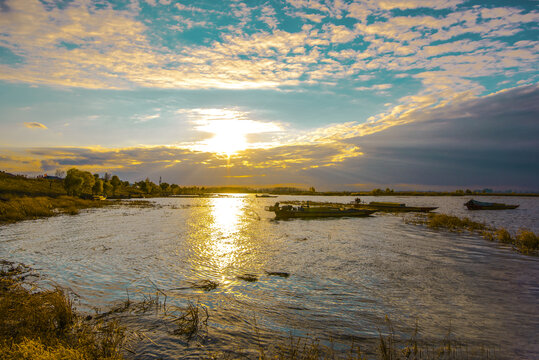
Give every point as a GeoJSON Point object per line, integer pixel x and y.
{"type": "Point", "coordinates": [468, 191]}
{"type": "Point", "coordinates": [115, 182]}
{"type": "Point", "coordinates": [88, 182]}
{"type": "Point", "coordinates": [146, 186]}
{"type": "Point", "coordinates": [107, 188]}
{"type": "Point", "coordinates": [96, 176]}
{"type": "Point", "coordinates": [97, 189]}
{"type": "Point", "coordinates": [312, 189]}
{"type": "Point", "coordinates": [73, 182]}
{"type": "Point", "coordinates": [106, 177]}
{"type": "Point", "coordinates": [60, 173]}
{"type": "Point", "coordinates": [165, 187]}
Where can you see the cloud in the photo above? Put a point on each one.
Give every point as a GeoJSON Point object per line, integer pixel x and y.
{"type": "Point", "coordinates": [84, 45]}
{"type": "Point", "coordinates": [35, 125]}
{"type": "Point", "coordinates": [375, 87]}
{"type": "Point", "coordinates": [467, 143]}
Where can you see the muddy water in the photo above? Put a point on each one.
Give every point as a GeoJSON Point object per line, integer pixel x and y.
{"type": "Point", "coordinates": [346, 274]}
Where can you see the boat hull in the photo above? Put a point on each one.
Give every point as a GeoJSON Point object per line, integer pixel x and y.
{"type": "Point", "coordinates": [492, 207]}
{"type": "Point", "coordinates": [385, 208]}
{"type": "Point", "coordinates": [478, 205]}
{"type": "Point", "coordinates": [329, 213]}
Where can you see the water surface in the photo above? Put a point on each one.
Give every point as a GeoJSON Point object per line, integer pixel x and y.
{"type": "Point", "coordinates": [346, 274]}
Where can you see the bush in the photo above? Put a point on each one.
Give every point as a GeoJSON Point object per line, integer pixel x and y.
{"type": "Point", "coordinates": [527, 241]}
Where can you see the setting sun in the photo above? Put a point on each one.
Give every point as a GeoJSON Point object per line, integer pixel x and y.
{"type": "Point", "coordinates": [229, 129]}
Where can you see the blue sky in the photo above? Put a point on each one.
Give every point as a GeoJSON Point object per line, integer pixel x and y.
{"type": "Point", "coordinates": [331, 93]}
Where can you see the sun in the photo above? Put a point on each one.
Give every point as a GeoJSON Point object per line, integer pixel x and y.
{"type": "Point", "coordinates": [229, 137]}
{"type": "Point", "coordinates": [229, 129]}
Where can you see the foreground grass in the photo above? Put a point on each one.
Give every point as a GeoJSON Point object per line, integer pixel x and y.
{"type": "Point", "coordinates": [524, 240]}
{"type": "Point", "coordinates": [42, 324]}
{"type": "Point", "coordinates": [14, 208]}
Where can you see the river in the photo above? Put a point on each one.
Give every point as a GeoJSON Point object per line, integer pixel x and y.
{"type": "Point", "coordinates": [346, 275]}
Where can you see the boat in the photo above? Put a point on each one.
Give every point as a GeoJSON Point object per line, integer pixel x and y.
{"type": "Point", "coordinates": [290, 212]}
{"type": "Point", "coordinates": [99, 197]}
{"type": "Point", "coordinates": [265, 196]}
{"type": "Point", "coordinates": [393, 207]}
{"type": "Point", "coordinates": [480, 205]}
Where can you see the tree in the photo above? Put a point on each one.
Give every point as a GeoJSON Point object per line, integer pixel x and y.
{"type": "Point", "coordinates": [106, 177]}
{"type": "Point", "coordinates": [88, 181]}
{"type": "Point", "coordinates": [60, 173]}
{"type": "Point", "coordinates": [115, 182]}
{"type": "Point", "coordinates": [165, 187]}
{"type": "Point", "coordinates": [97, 189]}
{"type": "Point", "coordinates": [107, 187]}
{"type": "Point", "coordinates": [73, 182]}
{"type": "Point", "coordinates": [146, 186]}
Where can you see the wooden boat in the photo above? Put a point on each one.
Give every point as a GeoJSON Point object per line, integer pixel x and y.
{"type": "Point", "coordinates": [479, 205]}
{"type": "Point", "coordinates": [289, 212]}
{"type": "Point", "coordinates": [393, 207]}
{"type": "Point", "coordinates": [99, 197]}
{"type": "Point", "coordinates": [265, 196]}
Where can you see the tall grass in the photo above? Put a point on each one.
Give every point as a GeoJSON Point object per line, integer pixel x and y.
{"type": "Point", "coordinates": [524, 241]}
{"type": "Point", "coordinates": [42, 324]}
{"type": "Point", "coordinates": [15, 208]}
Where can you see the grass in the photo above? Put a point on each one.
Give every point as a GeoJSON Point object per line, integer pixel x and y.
{"type": "Point", "coordinates": [20, 185]}
{"type": "Point", "coordinates": [18, 208]}
{"type": "Point", "coordinates": [42, 324]}
{"type": "Point", "coordinates": [524, 241]}
{"type": "Point", "coordinates": [14, 208]}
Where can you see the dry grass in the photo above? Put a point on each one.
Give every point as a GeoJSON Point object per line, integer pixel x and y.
{"type": "Point", "coordinates": [524, 241]}
{"type": "Point", "coordinates": [14, 209]}
{"type": "Point", "coordinates": [453, 223]}
{"type": "Point", "coordinates": [42, 324]}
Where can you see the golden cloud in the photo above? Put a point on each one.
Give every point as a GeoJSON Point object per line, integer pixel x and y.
{"type": "Point", "coordinates": [35, 125]}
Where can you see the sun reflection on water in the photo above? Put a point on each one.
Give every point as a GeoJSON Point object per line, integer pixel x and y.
{"type": "Point", "coordinates": [225, 233]}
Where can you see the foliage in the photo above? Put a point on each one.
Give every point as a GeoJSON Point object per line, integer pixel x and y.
{"type": "Point", "coordinates": [79, 182]}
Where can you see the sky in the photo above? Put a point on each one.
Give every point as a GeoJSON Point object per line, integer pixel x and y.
{"type": "Point", "coordinates": [335, 94]}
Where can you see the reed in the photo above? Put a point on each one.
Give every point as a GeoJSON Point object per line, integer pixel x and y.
{"type": "Point", "coordinates": [38, 323]}
{"type": "Point", "coordinates": [524, 241]}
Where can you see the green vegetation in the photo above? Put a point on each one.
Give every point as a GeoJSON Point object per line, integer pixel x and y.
{"type": "Point", "coordinates": [43, 324]}
{"type": "Point", "coordinates": [22, 186]}
{"type": "Point", "coordinates": [84, 184]}
{"type": "Point", "coordinates": [524, 241]}
{"type": "Point", "coordinates": [14, 209]}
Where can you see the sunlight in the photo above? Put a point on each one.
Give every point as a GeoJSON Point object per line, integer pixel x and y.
{"type": "Point", "coordinates": [227, 213]}
{"type": "Point", "coordinates": [229, 129]}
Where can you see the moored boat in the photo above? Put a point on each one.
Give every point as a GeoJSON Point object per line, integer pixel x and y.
{"type": "Point", "coordinates": [289, 211]}
{"type": "Point", "coordinates": [265, 196]}
{"type": "Point", "coordinates": [480, 205]}
{"type": "Point", "coordinates": [394, 207]}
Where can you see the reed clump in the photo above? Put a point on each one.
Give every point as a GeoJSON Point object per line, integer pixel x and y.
{"type": "Point", "coordinates": [42, 324]}
{"type": "Point", "coordinates": [453, 223]}
{"type": "Point", "coordinates": [524, 241]}
{"type": "Point", "coordinates": [14, 208]}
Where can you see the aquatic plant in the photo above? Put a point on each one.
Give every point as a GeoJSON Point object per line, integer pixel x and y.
{"type": "Point", "coordinates": [248, 277]}
{"type": "Point", "coordinates": [42, 323]}
{"type": "Point", "coordinates": [524, 241]}
{"type": "Point", "coordinates": [193, 319]}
